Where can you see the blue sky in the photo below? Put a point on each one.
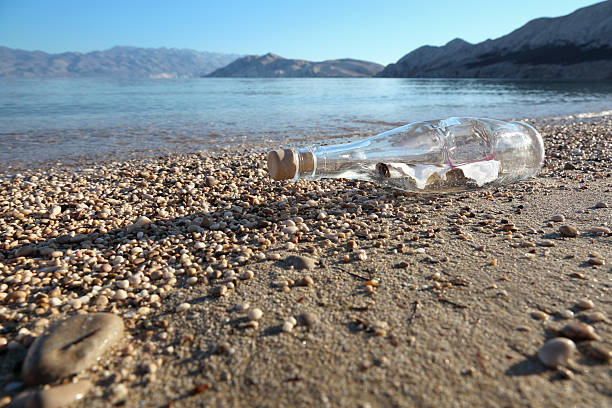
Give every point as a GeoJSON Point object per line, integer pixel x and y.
{"type": "Point", "coordinates": [314, 30]}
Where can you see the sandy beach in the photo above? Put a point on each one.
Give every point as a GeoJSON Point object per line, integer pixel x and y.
{"type": "Point", "coordinates": [404, 300]}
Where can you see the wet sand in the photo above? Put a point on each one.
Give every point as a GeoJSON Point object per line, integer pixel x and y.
{"type": "Point", "coordinates": [413, 301]}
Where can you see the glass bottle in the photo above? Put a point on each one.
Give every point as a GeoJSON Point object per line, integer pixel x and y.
{"type": "Point", "coordinates": [447, 155]}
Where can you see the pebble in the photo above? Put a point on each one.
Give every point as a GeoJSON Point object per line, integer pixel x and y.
{"type": "Point", "coordinates": [595, 317]}
{"type": "Point", "coordinates": [308, 319]}
{"type": "Point", "coordinates": [557, 218]}
{"type": "Point", "coordinates": [599, 230]}
{"type": "Point", "coordinates": [300, 262]}
{"type": "Point", "coordinates": [183, 307]}
{"type": "Point", "coordinates": [578, 331]}
{"type": "Point", "coordinates": [599, 351]}
{"type": "Point", "coordinates": [539, 315]}
{"type": "Point", "coordinates": [211, 181]}
{"type": "Point", "coordinates": [546, 243]}
{"type": "Point", "coordinates": [566, 314]}
{"type": "Point", "coordinates": [595, 260]}
{"type": "Point", "coordinates": [601, 204]}
{"type": "Point", "coordinates": [140, 224]}
{"type": "Point", "coordinates": [71, 346]}
{"type": "Point", "coordinates": [54, 397]}
{"type": "Point", "coordinates": [568, 231]}
{"type": "Point", "coordinates": [585, 304]}
{"type": "Point", "coordinates": [306, 281]}
{"type": "Point", "coordinates": [255, 314]}
{"type": "Point", "coordinates": [556, 352]}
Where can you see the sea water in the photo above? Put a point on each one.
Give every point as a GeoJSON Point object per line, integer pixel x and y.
{"type": "Point", "coordinates": [44, 120]}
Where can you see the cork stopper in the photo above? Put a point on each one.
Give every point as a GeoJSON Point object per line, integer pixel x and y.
{"type": "Point", "coordinates": [282, 164]}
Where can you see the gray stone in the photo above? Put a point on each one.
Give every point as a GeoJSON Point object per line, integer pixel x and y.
{"type": "Point", "coordinates": [300, 262]}
{"type": "Point", "coordinates": [568, 231]}
{"type": "Point", "coordinates": [54, 397]}
{"type": "Point", "coordinates": [71, 346]}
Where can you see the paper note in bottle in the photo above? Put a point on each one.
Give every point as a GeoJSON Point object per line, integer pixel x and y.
{"type": "Point", "coordinates": [449, 155]}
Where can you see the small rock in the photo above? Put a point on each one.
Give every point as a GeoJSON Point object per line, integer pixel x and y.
{"type": "Point", "coordinates": [599, 351]}
{"type": "Point", "coordinates": [183, 307]}
{"type": "Point", "coordinates": [300, 262]}
{"type": "Point", "coordinates": [287, 326]}
{"type": "Point", "coordinates": [539, 315]}
{"type": "Point", "coordinates": [556, 352]}
{"type": "Point", "coordinates": [255, 314]}
{"type": "Point", "coordinates": [585, 304]}
{"type": "Point", "coordinates": [70, 347]}
{"type": "Point", "coordinates": [546, 243]}
{"type": "Point", "coordinates": [557, 218]}
{"type": "Point", "coordinates": [55, 211]}
{"type": "Point", "coordinates": [211, 181]}
{"type": "Point", "coordinates": [569, 166]}
{"type": "Point", "coordinates": [595, 317]}
{"type": "Point", "coordinates": [308, 319]}
{"type": "Point", "coordinates": [26, 251]}
{"type": "Point", "coordinates": [568, 231]}
{"type": "Point", "coordinates": [595, 260]}
{"type": "Point", "coordinates": [601, 204]}
{"type": "Point", "coordinates": [54, 397]}
{"type": "Point", "coordinates": [305, 281]}
{"type": "Point", "coordinates": [579, 331]}
{"type": "Point", "coordinates": [140, 224]}
{"type": "Point", "coordinates": [290, 230]}
{"type": "Point", "coordinates": [599, 230]}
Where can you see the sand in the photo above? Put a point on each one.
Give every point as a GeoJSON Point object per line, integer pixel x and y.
{"type": "Point", "coordinates": [419, 300]}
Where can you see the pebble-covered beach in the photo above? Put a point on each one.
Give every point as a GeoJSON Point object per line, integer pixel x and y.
{"type": "Point", "coordinates": [201, 282]}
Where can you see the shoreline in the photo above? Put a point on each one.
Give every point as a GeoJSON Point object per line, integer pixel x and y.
{"type": "Point", "coordinates": [414, 300]}
{"type": "Point", "coordinates": [237, 143]}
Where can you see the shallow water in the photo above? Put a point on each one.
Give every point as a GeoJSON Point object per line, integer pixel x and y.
{"type": "Point", "coordinates": [60, 119]}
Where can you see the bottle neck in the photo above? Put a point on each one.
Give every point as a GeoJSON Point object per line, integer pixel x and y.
{"type": "Point", "coordinates": [329, 161]}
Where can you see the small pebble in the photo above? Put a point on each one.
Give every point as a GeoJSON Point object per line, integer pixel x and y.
{"type": "Point", "coordinates": [596, 261]}
{"type": "Point", "coordinates": [300, 262]}
{"type": "Point", "coordinates": [183, 307]}
{"type": "Point", "coordinates": [539, 315]}
{"type": "Point", "coordinates": [585, 304]}
{"type": "Point", "coordinates": [566, 314]}
{"type": "Point", "coordinates": [568, 231]}
{"type": "Point", "coordinates": [599, 351]}
{"type": "Point", "coordinates": [595, 317]}
{"type": "Point", "coordinates": [601, 204]}
{"type": "Point", "coordinates": [255, 314]}
{"type": "Point", "coordinates": [556, 352]}
{"type": "Point", "coordinates": [308, 319]}
{"type": "Point", "coordinates": [579, 331]}
{"type": "Point", "coordinates": [557, 218]}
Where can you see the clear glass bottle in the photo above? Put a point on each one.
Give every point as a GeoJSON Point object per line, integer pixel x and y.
{"type": "Point", "coordinates": [447, 155]}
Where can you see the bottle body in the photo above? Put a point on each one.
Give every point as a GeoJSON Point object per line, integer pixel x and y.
{"type": "Point", "coordinates": [447, 155]}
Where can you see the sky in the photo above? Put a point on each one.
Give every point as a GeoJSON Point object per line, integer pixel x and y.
{"type": "Point", "coordinates": [316, 30]}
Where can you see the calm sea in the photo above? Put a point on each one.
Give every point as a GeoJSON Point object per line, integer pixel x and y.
{"type": "Point", "coordinates": [63, 119]}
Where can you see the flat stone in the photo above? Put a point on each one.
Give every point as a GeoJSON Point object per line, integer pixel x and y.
{"type": "Point", "coordinates": [601, 204]}
{"type": "Point", "coordinates": [54, 397]}
{"type": "Point", "coordinates": [71, 346]}
{"type": "Point", "coordinates": [300, 262]}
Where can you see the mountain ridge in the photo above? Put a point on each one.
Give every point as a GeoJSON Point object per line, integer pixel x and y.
{"type": "Point", "coordinates": [574, 46]}
{"type": "Point", "coordinates": [274, 66]}
{"type": "Point", "coordinates": [118, 61]}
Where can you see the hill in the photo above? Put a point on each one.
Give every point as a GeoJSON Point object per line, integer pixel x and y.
{"type": "Point", "coordinates": [576, 46]}
{"type": "Point", "coordinates": [274, 66]}
{"type": "Point", "coordinates": [122, 62]}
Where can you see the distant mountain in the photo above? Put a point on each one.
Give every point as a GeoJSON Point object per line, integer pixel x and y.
{"type": "Point", "coordinates": [123, 62]}
{"type": "Point", "coordinates": [576, 46]}
{"type": "Point", "coordinates": [273, 66]}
